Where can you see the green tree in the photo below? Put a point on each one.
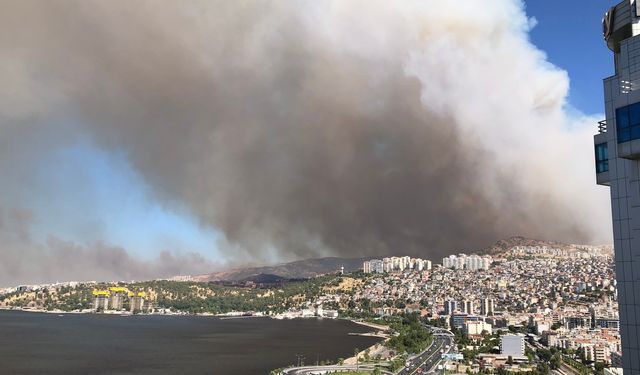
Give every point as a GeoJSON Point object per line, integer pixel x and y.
{"type": "Point", "coordinates": [542, 368]}
{"type": "Point", "coordinates": [556, 361]}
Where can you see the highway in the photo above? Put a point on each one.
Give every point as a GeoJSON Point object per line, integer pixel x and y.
{"type": "Point", "coordinates": [564, 369]}
{"type": "Point", "coordinates": [429, 359]}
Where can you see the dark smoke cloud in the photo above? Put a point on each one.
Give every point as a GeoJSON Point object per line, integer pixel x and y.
{"type": "Point", "coordinates": [313, 128]}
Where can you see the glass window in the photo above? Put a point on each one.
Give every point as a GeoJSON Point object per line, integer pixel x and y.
{"type": "Point", "coordinates": [624, 135]}
{"type": "Point", "coordinates": [634, 115]}
{"type": "Point", "coordinates": [602, 158]}
{"type": "Point", "coordinates": [622, 117]}
{"type": "Point", "coordinates": [628, 123]}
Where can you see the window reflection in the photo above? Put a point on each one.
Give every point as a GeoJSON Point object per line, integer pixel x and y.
{"type": "Point", "coordinates": [602, 158]}
{"type": "Point", "coordinates": [628, 122]}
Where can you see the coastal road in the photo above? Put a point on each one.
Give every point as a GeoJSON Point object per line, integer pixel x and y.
{"type": "Point", "coordinates": [428, 359]}
{"type": "Point", "coordinates": [421, 363]}
{"type": "Point", "coordinates": [313, 370]}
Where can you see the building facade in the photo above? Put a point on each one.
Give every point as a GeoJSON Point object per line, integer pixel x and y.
{"type": "Point", "coordinates": [373, 266]}
{"type": "Point", "coordinates": [512, 345]}
{"type": "Point", "coordinates": [487, 306]}
{"type": "Point", "coordinates": [617, 164]}
{"type": "Point", "coordinates": [468, 307]}
{"type": "Point", "coordinates": [471, 262]}
{"type": "Point", "coordinates": [101, 302]}
{"type": "Point", "coordinates": [396, 264]}
{"type": "Point", "coordinates": [450, 306]}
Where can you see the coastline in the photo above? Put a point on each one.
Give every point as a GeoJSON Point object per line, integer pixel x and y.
{"type": "Point", "coordinates": [42, 311]}
{"type": "Point", "coordinates": [379, 327]}
{"type": "Point", "coordinates": [373, 349]}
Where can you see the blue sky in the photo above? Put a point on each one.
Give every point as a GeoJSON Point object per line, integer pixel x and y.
{"type": "Point", "coordinates": [124, 213]}
{"type": "Point", "coordinates": [570, 32]}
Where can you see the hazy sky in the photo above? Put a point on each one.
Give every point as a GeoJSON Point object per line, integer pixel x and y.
{"type": "Point", "coordinates": [148, 139]}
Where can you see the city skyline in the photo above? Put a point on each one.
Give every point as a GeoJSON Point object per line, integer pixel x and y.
{"type": "Point", "coordinates": [532, 303]}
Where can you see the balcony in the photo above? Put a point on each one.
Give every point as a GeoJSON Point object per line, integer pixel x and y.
{"type": "Point", "coordinates": [602, 126]}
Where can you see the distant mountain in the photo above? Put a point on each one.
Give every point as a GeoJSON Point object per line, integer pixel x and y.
{"type": "Point", "coordinates": [294, 270]}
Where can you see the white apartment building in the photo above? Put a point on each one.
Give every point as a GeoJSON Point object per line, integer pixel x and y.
{"type": "Point", "coordinates": [396, 264]}
{"type": "Point", "coordinates": [471, 262]}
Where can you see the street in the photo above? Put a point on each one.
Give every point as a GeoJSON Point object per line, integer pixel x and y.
{"type": "Point", "coordinates": [429, 359]}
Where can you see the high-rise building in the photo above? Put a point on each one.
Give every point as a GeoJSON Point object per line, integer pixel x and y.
{"type": "Point", "coordinates": [373, 266]}
{"type": "Point", "coordinates": [467, 307]}
{"type": "Point", "coordinates": [387, 264]}
{"type": "Point", "coordinates": [449, 261]}
{"type": "Point", "coordinates": [101, 302]}
{"type": "Point", "coordinates": [404, 263]}
{"type": "Point", "coordinates": [472, 262]}
{"type": "Point", "coordinates": [418, 264]}
{"type": "Point", "coordinates": [137, 302]}
{"type": "Point", "coordinates": [458, 320]}
{"type": "Point", "coordinates": [617, 162]}
{"type": "Point", "coordinates": [393, 264]}
{"type": "Point", "coordinates": [450, 306]}
{"type": "Point", "coordinates": [116, 301]}
{"type": "Point", "coordinates": [366, 266]}
{"type": "Point", "coordinates": [487, 307]}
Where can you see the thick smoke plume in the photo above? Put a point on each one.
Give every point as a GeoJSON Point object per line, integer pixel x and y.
{"type": "Point", "coordinates": [307, 128]}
